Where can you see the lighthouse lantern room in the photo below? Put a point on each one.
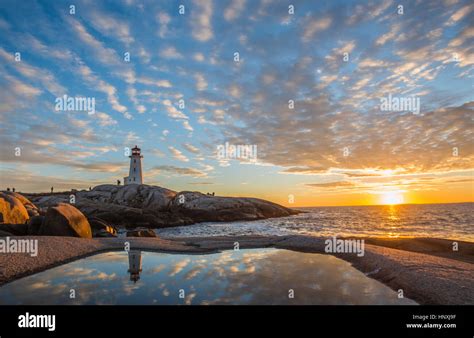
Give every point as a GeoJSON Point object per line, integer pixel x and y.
{"type": "Point", "coordinates": [135, 174]}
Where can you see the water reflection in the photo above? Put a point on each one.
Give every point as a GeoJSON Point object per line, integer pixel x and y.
{"type": "Point", "coordinates": [134, 264]}
{"type": "Point", "coordinates": [258, 276]}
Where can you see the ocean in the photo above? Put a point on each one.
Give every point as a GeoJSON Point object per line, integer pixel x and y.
{"type": "Point", "coordinates": [449, 221]}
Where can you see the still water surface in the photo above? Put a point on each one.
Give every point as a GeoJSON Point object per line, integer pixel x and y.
{"type": "Point", "coordinates": [256, 276]}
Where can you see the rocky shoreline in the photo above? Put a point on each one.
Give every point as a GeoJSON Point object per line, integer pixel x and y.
{"type": "Point", "coordinates": [99, 212]}
{"type": "Point", "coordinates": [434, 274]}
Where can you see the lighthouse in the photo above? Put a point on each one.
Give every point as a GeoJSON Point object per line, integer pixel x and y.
{"type": "Point", "coordinates": [135, 173]}
{"type": "Point", "coordinates": [134, 264]}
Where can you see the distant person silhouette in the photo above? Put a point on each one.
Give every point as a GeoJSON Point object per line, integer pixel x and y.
{"type": "Point", "coordinates": [52, 189]}
{"type": "Point", "coordinates": [13, 189]}
{"type": "Point", "coordinates": [90, 188]}
{"type": "Point", "coordinates": [8, 189]}
{"type": "Point", "coordinates": [118, 182]}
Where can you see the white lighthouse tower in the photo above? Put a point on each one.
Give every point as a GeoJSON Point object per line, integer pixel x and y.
{"type": "Point", "coordinates": [135, 173]}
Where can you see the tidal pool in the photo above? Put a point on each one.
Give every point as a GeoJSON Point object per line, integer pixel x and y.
{"type": "Point", "coordinates": [254, 276]}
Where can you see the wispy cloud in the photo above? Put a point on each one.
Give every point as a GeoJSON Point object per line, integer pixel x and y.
{"type": "Point", "coordinates": [178, 154]}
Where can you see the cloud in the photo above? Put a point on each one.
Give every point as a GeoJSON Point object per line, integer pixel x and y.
{"type": "Point", "coordinates": [105, 54]}
{"type": "Point", "coordinates": [35, 74]}
{"type": "Point", "coordinates": [173, 112]}
{"type": "Point", "coordinates": [201, 20]}
{"type": "Point", "coordinates": [199, 57]}
{"type": "Point", "coordinates": [178, 154]}
{"type": "Point", "coordinates": [331, 184]}
{"type": "Point", "coordinates": [27, 181]}
{"type": "Point", "coordinates": [235, 91]}
{"type": "Point", "coordinates": [187, 126]}
{"type": "Point", "coordinates": [105, 119]}
{"type": "Point", "coordinates": [191, 148]}
{"type": "Point", "coordinates": [21, 88]}
{"type": "Point", "coordinates": [164, 83]}
{"type": "Point", "coordinates": [315, 26]}
{"type": "Point", "coordinates": [201, 183]}
{"type": "Point", "coordinates": [131, 138]}
{"type": "Point", "coordinates": [304, 170]}
{"type": "Point", "coordinates": [155, 82]}
{"type": "Point", "coordinates": [110, 26]}
{"type": "Point", "coordinates": [178, 267]}
{"type": "Point", "coordinates": [460, 14]}
{"type": "Point", "coordinates": [104, 87]}
{"type": "Point", "coordinates": [201, 83]}
{"type": "Point", "coordinates": [233, 11]}
{"type": "Point", "coordinates": [163, 19]}
{"type": "Point", "coordinates": [372, 63]}
{"type": "Point", "coordinates": [171, 53]}
{"type": "Point", "coordinates": [415, 143]}
{"type": "Point", "coordinates": [178, 171]}
{"type": "Point", "coordinates": [381, 40]}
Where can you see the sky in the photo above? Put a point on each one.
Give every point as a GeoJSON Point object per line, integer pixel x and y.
{"type": "Point", "coordinates": [301, 82]}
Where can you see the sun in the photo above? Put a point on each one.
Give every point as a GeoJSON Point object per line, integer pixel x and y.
{"type": "Point", "coordinates": [391, 197]}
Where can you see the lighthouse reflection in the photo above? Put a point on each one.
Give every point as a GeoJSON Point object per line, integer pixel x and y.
{"type": "Point", "coordinates": [134, 264]}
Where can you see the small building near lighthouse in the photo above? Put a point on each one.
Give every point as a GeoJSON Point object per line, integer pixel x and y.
{"type": "Point", "coordinates": [135, 174]}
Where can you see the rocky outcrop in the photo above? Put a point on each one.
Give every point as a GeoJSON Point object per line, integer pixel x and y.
{"type": "Point", "coordinates": [65, 220]}
{"type": "Point", "coordinates": [12, 210]}
{"type": "Point", "coordinates": [156, 207]}
{"type": "Point", "coordinates": [206, 208]}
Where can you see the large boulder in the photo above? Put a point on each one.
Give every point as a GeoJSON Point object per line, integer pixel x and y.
{"type": "Point", "coordinates": [25, 201]}
{"type": "Point", "coordinates": [12, 210]}
{"type": "Point", "coordinates": [207, 208]}
{"type": "Point", "coordinates": [65, 220]}
{"type": "Point", "coordinates": [30, 207]}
